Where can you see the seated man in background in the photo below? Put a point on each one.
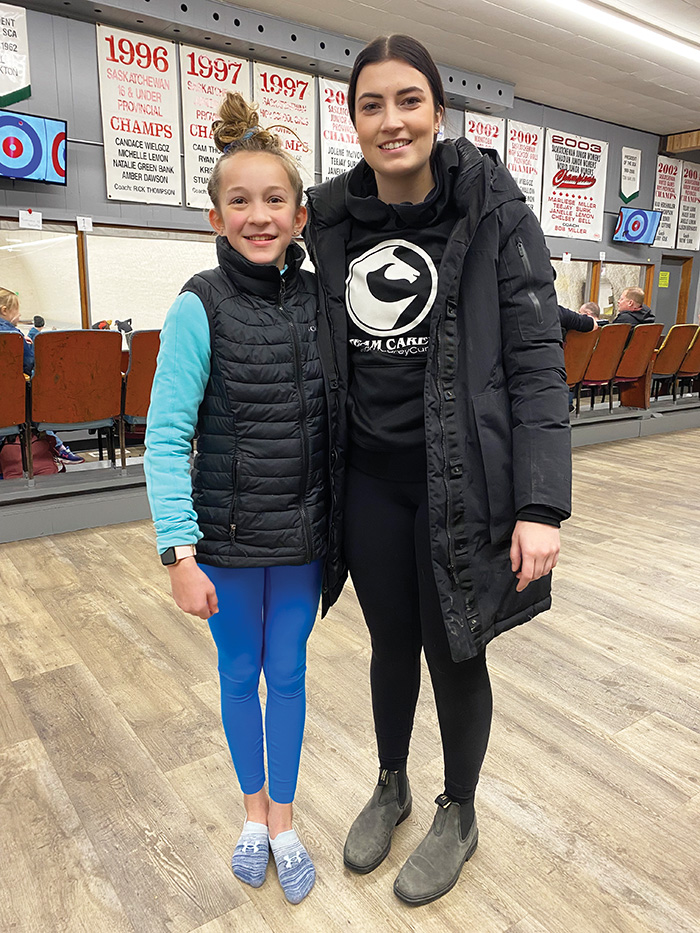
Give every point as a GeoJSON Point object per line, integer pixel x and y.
{"type": "Point", "coordinates": [573, 320]}
{"type": "Point", "coordinates": [592, 309]}
{"type": "Point", "coordinates": [631, 308]}
{"type": "Point", "coordinates": [39, 324]}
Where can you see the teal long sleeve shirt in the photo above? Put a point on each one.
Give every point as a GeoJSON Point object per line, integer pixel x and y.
{"type": "Point", "coordinates": [184, 363]}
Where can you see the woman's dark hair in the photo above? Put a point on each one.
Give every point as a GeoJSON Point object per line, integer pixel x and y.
{"type": "Point", "coordinates": [397, 48]}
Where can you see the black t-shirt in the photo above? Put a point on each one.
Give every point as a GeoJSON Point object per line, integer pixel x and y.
{"type": "Point", "coordinates": [393, 259]}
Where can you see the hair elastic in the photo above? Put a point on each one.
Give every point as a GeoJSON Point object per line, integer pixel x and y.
{"type": "Point", "coordinates": [247, 135]}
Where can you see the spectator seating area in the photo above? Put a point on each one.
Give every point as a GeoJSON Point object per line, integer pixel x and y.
{"type": "Point", "coordinates": [81, 379]}
{"type": "Point", "coordinates": [610, 358]}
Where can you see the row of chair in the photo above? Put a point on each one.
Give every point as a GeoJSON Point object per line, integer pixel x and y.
{"type": "Point", "coordinates": [609, 357]}
{"type": "Point", "coordinates": [80, 380]}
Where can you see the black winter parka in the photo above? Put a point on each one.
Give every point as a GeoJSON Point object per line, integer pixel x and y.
{"type": "Point", "coordinates": [495, 395]}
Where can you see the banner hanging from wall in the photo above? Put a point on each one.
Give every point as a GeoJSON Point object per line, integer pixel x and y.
{"type": "Point", "coordinates": [287, 106]}
{"type": "Point", "coordinates": [573, 197]}
{"type": "Point", "coordinates": [140, 116]}
{"type": "Point", "coordinates": [524, 151]}
{"type": "Point", "coordinates": [630, 171]}
{"type": "Point", "coordinates": [340, 149]}
{"type": "Point", "coordinates": [689, 214]}
{"type": "Point", "coordinates": [15, 83]}
{"type": "Point", "coordinates": [205, 78]}
{"type": "Point", "coordinates": [667, 194]}
{"type": "Point", "coordinates": [485, 131]}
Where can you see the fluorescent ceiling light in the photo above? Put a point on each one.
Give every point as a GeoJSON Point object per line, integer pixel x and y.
{"type": "Point", "coordinates": [632, 28]}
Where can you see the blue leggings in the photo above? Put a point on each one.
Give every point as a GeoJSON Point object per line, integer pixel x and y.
{"type": "Point", "coordinates": [264, 620]}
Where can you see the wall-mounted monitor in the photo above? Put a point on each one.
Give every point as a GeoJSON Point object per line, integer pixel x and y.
{"type": "Point", "coordinates": [636, 226]}
{"type": "Point", "coordinates": [32, 148]}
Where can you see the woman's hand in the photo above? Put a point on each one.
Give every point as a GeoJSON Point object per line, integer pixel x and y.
{"type": "Point", "coordinates": [534, 551]}
{"type": "Point", "coordinates": [192, 589]}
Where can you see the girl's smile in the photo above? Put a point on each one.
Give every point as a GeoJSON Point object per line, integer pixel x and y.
{"type": "Point", "coordinates": [257, 210]}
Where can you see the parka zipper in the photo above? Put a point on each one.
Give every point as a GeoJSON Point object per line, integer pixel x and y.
{"type": "Point", "coordinates": [299, 379]}
{"type": "Point", "coordinates": [451, 556]}
{"type": "Point", "coordinates": [528, 277]}
{"type": "Point", "coordinates": [332, 377]}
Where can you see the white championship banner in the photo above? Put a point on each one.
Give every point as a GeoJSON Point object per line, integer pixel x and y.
{"type": "Point", "coordinates": [205, 77]}
{"type": "Point", "coordinates": [486, 132]}
{"type": "Point", "coordinates": [15, 84]}
{"type": "Point", "coordinates": [524, 151]}
{"type": "Point", "coordinates": [287, 106]}
{"type": "Point", "coordinates": [140, 116]}
{"type": "Point", "coordinates": [667, 196]}
{"type": "Point", "coordinates": [573, 196]}
{"type": "Point", "coordinates": [340, 149]}
{"type": "Point", "coordinates": [689, 216]}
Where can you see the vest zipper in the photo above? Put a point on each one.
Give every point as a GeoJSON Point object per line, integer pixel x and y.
{"type": "Point", "coordinates": [233, 517]}
{"type": "Point", "coordinates": [528, 277]}
{"type": "Point", "coordinates": [299, 378]}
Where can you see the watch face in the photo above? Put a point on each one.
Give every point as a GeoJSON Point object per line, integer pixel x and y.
{"type": "Point", "coordinates": [168, 556]}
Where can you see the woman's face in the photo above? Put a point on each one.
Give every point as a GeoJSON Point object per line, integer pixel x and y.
{"type": "Point", "coordinates": [395, 118]}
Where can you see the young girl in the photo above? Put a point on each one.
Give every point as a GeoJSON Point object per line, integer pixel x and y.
{"type": "Point", "coordinates": [450, 447]}
{"type": "Point", "coordinates": [244, 539]}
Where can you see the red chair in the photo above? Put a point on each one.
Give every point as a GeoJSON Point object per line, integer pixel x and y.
{"type": "Point", "coordinates": [13, 394]}
{"type": "Point", "coordinates": [137, 381]}
{"type": "Point", "coordinates": [690, 367]}
{"type": "Point", "coordinates": [578, 349]}
{"type": "Point", "coordinates": [636, 360]}
{"type": "Point", "coordinates": [671, 355]}
{"type": "Point", "coordinates": [605, 359]}
{"type": "Point", "coordinates": [77, 381]}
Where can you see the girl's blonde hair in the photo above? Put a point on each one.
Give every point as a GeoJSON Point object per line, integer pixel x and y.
{"type": "Point", "coordinates": [8, 301]}
{"type": "Point", "coordinates": [238, 130]}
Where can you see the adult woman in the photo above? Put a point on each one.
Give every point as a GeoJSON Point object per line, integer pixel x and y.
{"type": "Point", "coordinates": [451, 450]}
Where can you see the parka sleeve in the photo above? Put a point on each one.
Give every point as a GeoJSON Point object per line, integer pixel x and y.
{"type": "Point", "coordinates": [533, 361]}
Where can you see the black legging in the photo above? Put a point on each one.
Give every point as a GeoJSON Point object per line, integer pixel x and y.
{"type": "Point", "coordinates": [388, 552]}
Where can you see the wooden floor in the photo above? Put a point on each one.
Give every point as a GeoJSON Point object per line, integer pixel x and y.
{"type": "Point", "coordinates": [118, 802]}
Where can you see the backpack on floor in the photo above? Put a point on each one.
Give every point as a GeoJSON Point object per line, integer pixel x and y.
{"type": "Point", "coordinates": [42, 455]}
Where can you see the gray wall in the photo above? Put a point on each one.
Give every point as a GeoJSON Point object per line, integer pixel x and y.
{"type": "Point", "coordinates": [63, 59]}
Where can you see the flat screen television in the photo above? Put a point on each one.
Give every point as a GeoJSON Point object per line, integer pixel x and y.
{"type": "Point", "coordinates": [636, 226]}
{"type": "Point", "coordinates": [32, 148]}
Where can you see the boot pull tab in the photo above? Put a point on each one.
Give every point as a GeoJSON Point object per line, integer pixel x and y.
{"type": "Point", "coordinates": [443, 801]}
{"type": "Point", "coordinates": [383, 777]}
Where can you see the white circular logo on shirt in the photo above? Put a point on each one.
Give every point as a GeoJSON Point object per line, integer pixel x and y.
{"type": "Point", "coordinates": [391, 288]}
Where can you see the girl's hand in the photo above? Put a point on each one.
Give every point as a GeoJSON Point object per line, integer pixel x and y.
{"type": "Point", "coordinates": [534, 551]}
{"type": "Point", "coordinates": [192, 589]}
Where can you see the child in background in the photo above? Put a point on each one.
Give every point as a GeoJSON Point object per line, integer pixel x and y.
{"type": "Point", "coordinates": [244, 538]}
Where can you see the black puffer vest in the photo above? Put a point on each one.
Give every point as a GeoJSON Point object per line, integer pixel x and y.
{"type": "Point", "coordinates": [259, 478]}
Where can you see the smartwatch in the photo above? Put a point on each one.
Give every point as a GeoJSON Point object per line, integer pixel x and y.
{"type": "Point", "coordinates": [172, 555]}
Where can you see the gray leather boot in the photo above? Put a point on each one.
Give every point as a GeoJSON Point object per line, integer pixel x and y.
{"type": "Point", "coordinates": [369, 839]}
{"type": "Point", "coordinates": [434, 867]}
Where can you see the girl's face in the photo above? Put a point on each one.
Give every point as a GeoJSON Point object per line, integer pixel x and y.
{"type": "Point", "coordinates": [396, 120]}
{"type": "Point", "coordinates": [257, 211]}
{"type": "Point", "coordinates": [11, 313]}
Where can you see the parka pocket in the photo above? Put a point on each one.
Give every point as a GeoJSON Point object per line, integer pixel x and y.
{"type": "Point", "coordinates": [494, 429]}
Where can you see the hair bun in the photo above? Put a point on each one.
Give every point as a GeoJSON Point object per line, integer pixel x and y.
{"type": "Point", "coordinates": [238, 120]}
